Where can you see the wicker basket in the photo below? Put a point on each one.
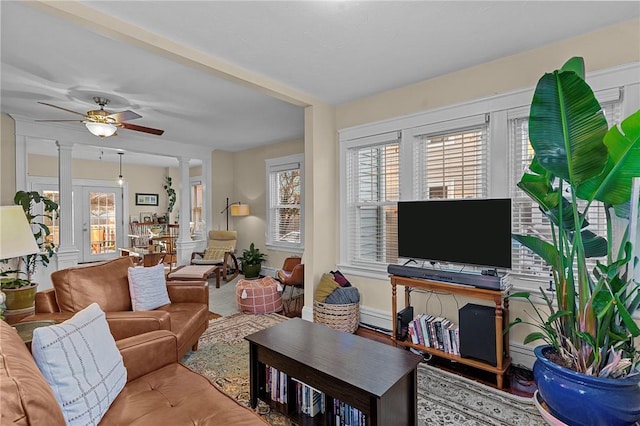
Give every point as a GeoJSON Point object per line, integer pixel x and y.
{"type": "Point", "coordinates": [337, 316]}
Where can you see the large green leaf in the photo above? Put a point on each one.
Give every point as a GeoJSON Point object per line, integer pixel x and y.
{"type": "Point", "coordinates": [613, 185]}
{"type": "Point", "coordinates": [567, 126]}
{"type": "Point", "coordinates": [540, 247]}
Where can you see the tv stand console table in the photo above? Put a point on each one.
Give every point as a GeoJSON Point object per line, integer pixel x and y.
{"type": "Point", "coordinates": [501, 318]}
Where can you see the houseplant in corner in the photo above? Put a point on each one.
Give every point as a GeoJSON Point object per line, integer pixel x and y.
{"type": "Point", "coordinates": [587, 373]}
{"type": "Point", "coordinates": [19, 291]}
{"type": "Point", "coordinates": [252, 261]}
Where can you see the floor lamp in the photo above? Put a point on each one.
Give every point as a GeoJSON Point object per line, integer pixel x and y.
{"type": "Point", "coordinates": [236, 209]}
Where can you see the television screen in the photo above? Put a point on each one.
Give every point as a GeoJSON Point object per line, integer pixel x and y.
{"type": "Point", "coordinates": [473, 232]}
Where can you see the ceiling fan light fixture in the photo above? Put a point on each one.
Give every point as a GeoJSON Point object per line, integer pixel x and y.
{"type": "Point", "coordinates": [120, 178]}
{"type": "Point", "coordinates": [101, 130]}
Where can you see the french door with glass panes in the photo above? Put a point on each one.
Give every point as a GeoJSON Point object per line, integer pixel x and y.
{"type": "Point", "coordinates": [101, 222]}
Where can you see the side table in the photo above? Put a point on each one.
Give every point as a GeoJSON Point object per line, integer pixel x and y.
{"type": "Point", "coordinates": [25, 329]}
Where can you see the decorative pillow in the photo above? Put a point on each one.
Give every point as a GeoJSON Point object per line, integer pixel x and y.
{"type": "Point", "coordinates": [148, 288]}
{"type": "Point", "coordinates": [341, 279]}
{"type": "Point", "coordinates": [80, 361]}
{"type": "Point", "coordinates": [215, 253]}
{"type": "Point", "coordinates": [343, 296]}
{"type": "Point", "coordinates": [326, 286]}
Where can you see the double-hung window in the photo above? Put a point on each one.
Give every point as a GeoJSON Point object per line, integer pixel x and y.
{"type": "Point", "coordinates": [285, 215]}
{"type": "Point", "coordinates": [444, 160]}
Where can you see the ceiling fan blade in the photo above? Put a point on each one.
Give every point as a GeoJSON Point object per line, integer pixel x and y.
{"type": "Point", "coordinates": [141, 128]}
{"type": "Point", "coordinates": [64, 109]}
{"type": "Point", "coordinates": [124, 116]}
{"type": "Point", "coordinates": [51, 121]}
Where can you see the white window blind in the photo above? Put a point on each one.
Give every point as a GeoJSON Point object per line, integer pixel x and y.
{"type": "Point", "coordinates": [452, 163]}
{"type": "Point", "coordinates": [527, 217]}
{"type": "Point", "coordinates": [284, 193]}
{"type": "Point", "coordinates": [373, 182]}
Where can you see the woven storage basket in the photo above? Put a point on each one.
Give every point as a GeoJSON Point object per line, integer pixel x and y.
{"type": "Point", "coordinates": [337, 316]}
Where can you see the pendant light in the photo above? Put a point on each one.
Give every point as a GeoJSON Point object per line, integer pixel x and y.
{"type": "Point", "coordinates": [120, 178]}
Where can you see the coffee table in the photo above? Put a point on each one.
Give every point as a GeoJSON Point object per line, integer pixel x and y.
{"type": "Point", "coordinates": [378, 379]}
{"type": "Point", "coordinates": [196, 272]}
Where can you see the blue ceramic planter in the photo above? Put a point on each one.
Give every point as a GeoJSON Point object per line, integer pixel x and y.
{"type": "Point", "coordinates": [579, 399]}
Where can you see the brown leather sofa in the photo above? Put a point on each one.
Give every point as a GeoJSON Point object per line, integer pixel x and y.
{"type": "Point", "coordinates": [159, 391]}
{"type": "Point", "coordinates": [107, 284]}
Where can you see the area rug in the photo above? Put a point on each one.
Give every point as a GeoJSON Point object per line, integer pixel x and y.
{"type": "Point", "coordinates": [449, 399]}
{"type": "Point", "coordinates": [223, 357]}
{"type": "Point", "coordinates": [443, 398]}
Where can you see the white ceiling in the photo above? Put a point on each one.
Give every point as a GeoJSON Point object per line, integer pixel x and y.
{"type": "Point", "coordinates": [335, 51]}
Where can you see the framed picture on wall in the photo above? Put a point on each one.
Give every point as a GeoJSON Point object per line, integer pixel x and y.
{"type": "Point", "coordinates": [146, 199]}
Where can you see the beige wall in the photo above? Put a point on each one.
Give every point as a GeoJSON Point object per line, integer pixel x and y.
{"type": "Point", "coordinates": [7, 160]}
{"type": "Point", "coordinates": [241, 176]}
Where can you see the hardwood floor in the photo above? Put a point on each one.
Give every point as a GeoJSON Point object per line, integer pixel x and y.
{"type": "Point", "coordinates": [453, 367]}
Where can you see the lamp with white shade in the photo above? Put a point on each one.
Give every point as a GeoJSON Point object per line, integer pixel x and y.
{"type": "Point", "coordinates": [16, 239]}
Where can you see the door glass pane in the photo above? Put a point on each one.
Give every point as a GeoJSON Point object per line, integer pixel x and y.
{"type": "Point", "coordinates": [52, 222]}
{"type": "Point", "coordinates": [102, 222]}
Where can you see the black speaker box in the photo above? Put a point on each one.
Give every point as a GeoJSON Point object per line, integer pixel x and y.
{"type": "Point", "coordinates": [403, 318]}
{"type": "Point", "coordinates": [478, 332]}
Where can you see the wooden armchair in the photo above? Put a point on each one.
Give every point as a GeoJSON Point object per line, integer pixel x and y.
{"type": "Point", "coordinates": [221, 249]}
{"type": "Point", "coordinates": [292, 275]}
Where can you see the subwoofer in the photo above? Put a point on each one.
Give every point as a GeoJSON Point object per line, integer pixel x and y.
{"type": "Point", "coordinates": [478, 332]}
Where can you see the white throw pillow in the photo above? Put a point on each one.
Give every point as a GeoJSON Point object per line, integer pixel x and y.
{"type": "Point", "coordinates": [148, 288]}
{"type": "Point", "coordinates": [80, 361]}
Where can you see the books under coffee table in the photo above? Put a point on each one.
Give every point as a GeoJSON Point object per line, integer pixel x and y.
{"type": "Point", "coordinates": [377, 380]}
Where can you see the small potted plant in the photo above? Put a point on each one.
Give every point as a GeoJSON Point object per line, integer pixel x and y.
{"type": "Point", "coordinates": [16, 283]}
{"type": "Point", "coordinates": [251, 260]}
{"type": "Point", "coordinates": [587, 373]}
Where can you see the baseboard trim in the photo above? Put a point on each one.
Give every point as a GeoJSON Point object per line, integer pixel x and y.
{"type": "Point", "coordinates": [521, 354]}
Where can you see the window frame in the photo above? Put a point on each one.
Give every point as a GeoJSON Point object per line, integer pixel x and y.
{"type": "Point", "coordinates": [274, 165]}
{"type": "Point", "coordinates": [499, 180]}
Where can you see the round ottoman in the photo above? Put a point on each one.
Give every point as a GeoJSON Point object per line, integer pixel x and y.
{"type": "Point", "coordinates": [259, 296]}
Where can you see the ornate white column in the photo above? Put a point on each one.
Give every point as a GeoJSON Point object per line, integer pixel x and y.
{"type": "Point", "coordinates": [184, 244]}
{"type": "Point", "coordinates": [67, 252]}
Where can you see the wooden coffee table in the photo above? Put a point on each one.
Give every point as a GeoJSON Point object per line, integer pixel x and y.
{"type": "Point", "coordinates": [378, 379]}
{"type": "Point", "coordinates": [196, 272]}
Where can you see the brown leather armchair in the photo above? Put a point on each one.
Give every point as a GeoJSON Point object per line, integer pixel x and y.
{"type": "Point", "coordinates": [292, 275]}
{"type": "Point", "coordinates": [107, 284]}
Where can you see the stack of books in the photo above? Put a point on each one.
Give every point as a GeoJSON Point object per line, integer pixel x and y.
{"type": "Point", "coordinates": [435, 332]}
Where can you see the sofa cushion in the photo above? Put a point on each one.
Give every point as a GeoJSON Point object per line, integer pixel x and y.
{"type": "Point", "coordinates": [174, 395]}
{"type": "Point", "coordinates": [148, 288]}
{"type": "Point", "coordinates": [80, 361]}
{"type": "Point", "coordinates": [188, 322]}
{"type": "Point", "coordinates": [104, 283]}
{"type": "Point", "coordinates": [27, 398]}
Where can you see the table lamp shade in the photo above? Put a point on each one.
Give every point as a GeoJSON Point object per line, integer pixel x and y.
{"type": "Point", "coordinates": [16, 236]}
{"type": "Point", "coordinates": [240, 210]}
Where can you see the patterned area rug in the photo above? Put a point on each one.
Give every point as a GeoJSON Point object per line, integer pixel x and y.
{"type": "Point", "coordinates": [223, 357]}
{"type": "Point", "coordinates": [443, 398]}
{"type": "Point", "coordinates": [448, 399]}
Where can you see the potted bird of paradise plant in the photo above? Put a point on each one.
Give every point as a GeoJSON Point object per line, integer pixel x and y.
{"type": "Point", "coordinates": [587, 373]}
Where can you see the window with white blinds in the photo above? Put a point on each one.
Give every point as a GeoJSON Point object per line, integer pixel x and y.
{"type": "Point", "coordinates": [373, 190]}
{"type": "Point", "coordinates": [451, 162]}
{"type": "Point", "coordinates": [527, 217]}
{"type": "Point", "coordinates": [284, 202]}
{"type": "Point", "coordinates": [447, 160]}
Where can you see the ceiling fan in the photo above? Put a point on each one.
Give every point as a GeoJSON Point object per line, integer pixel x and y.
{"type": "Point", "coordinates": [103, 123]}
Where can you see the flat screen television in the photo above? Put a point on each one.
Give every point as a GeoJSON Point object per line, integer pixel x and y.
{"type": "Point", "coordinates": [466, 231]}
